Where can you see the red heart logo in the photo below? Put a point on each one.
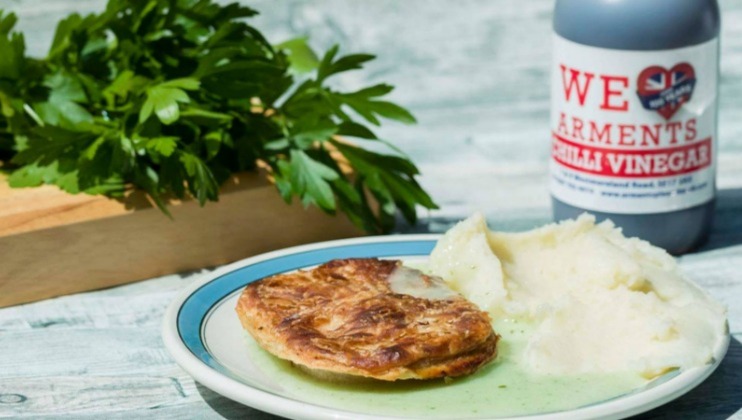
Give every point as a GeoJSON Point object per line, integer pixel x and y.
{"type": "Point", "coordinates": [665, 91]}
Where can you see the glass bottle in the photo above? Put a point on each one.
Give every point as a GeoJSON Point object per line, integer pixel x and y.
{"type": "Point", "coordinates": [633, 119]}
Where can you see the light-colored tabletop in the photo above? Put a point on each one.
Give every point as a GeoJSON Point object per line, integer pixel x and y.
{"type": "Point", "coordinates": [474, 72]}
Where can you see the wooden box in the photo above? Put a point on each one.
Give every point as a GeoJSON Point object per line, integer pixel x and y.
{"type": "Point", "coordinates": [53, 243]}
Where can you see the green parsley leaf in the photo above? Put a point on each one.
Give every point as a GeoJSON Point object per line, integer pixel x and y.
{"type": "Point", "coordinates": [309, 180]}
{"type": "Point", "coordinates": [300, 55]}
{"type": "Point", "coordinates": [163, 100]}
{"type": "Point", "coordinates": [329, 66]}
{"type": "Point", "coordinates": [164, 146]}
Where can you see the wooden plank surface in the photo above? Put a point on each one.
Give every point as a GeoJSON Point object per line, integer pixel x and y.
{"type": "Point", "coordinates": [474, 73]}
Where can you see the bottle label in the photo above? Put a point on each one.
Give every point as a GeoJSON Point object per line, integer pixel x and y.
{"type": "Point", "coordinates": [633, 131]}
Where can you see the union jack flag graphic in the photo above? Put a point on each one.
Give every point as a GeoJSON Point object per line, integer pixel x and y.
{"type": "Point", "coordinates": [665, 91]}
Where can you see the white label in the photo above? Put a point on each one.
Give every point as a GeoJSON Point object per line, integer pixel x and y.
{"type": "Point", "coordinates": [633, 131]}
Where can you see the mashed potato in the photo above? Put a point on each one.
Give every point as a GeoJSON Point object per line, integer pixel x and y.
{"type": "Point", "coordinates": [598, 302]}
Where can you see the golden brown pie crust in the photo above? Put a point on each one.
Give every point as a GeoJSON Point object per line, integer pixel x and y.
{"type": "Point", "coordinates": [343, 317]}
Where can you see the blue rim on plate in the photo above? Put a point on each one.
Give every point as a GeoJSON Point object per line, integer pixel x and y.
{"type": "Point", "coordinates": [185, 318]}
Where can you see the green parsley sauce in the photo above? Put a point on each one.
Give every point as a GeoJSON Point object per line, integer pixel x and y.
{"type": "Point", "coordinates": [502, 388]}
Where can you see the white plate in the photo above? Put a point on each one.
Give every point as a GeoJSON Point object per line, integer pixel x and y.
{"type": "Point", "coordinates": [203, 334]}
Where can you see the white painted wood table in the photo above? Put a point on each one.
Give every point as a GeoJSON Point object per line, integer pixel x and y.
{"type": "Point", "coordinates": [474, 73]}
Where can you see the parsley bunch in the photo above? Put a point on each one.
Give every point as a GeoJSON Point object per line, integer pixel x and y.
{"type": "Point", "coordinates": [173, 96]}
